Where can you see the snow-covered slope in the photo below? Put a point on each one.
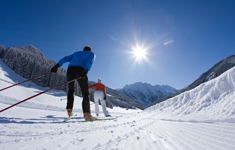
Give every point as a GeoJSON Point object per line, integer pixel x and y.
{"type": "Point", "coordinates": [200, 119]}
{"type": "Point", "coordinates": [212, 73]}
{"type": "Point", "coordinates": [213, 100]}
{"type": "Point", "coordinates": [145, 93]}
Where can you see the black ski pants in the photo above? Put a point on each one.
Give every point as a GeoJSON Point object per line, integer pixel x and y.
{"type": "Point", "coordinates": [74, 72]}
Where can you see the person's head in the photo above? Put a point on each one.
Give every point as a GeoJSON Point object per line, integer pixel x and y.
{"type": "Point", "coordinates": [87, 48]}
{"type": "Point", "coordinates": [99, 80]}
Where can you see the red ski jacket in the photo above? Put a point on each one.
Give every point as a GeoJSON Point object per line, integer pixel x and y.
{"type": "Point", "coordinates": [98, 87]}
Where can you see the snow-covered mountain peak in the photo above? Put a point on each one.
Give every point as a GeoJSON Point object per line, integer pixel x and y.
{"type": "Point", "coordinates": [137, 85]}
{"type": "Point", "coordinates": [145, 93]}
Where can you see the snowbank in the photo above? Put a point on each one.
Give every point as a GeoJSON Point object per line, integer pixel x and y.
{"type": "Point", "coordinates": [213, 100]}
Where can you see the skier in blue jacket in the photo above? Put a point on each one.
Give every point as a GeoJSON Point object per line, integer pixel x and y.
{"type": "Point", "coordinates": [80, 64]}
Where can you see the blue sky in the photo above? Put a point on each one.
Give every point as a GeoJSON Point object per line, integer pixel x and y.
{"type": "Point", "coordinates": [181, 38]}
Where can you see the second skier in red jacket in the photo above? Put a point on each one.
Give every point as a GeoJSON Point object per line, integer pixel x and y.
{"type": "Point", "coordinates": [100, 94]}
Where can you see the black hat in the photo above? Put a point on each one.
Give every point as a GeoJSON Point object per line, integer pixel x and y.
{"type": "Point", "coordinates": [87, 48]}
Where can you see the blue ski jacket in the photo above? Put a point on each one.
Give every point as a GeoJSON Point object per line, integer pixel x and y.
{"type": "Point", "coordinates": [83, 59]}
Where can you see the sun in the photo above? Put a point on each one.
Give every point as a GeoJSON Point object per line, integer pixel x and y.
{"type": "Point", "coordinates": [139, 53]}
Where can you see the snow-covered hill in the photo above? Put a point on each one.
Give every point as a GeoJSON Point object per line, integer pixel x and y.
{"type": "Point", "coordinates": [145, 93]}
{"type": "Point", "coordinates": [200, 119]}
{"type": "Point", "coordinates": [212, 73]}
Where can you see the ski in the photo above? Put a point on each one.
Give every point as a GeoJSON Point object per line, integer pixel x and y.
{"type": "Point", "coordinates": [69, 117]}
{"type": "Point", "coordinates": [97, 119]}
{"type": "Point", "coordinates": [83, 120]}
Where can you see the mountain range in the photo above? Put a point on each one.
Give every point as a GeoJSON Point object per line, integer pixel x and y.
{"type": "Point", "coordinates": [145, 93]}
{"type": "Point", "coordinates": [29, 62]}
{"type": "Point", "coordinates": [148, 95]}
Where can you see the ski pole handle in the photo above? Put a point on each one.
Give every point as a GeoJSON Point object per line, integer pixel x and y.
{"type": "Point", "coordinates": [26, 81]}
{"type": "Point", "coordinates": [38, 94]}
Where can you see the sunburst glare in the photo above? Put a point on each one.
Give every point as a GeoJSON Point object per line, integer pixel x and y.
{"type": "Point", "coordinates": [139, 53]}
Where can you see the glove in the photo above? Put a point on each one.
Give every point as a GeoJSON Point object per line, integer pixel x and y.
{"type": "Point", "coordinates": [84, 74]}
{"type": "Point", "coordinates": [55, 68]}
{"type": "Point", "coordinates": [104, 97]}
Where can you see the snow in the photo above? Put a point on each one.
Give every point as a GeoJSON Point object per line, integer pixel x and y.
{"type": "Point", "coordinates": [210, 76]}
{"type": "Point", "coordinates": [200, 119]}
{"type": "Point", "coordinates": [145, 93]}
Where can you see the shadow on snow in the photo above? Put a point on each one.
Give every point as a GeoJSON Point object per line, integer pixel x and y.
{"type": "Point", "coordinates": [42, 120]}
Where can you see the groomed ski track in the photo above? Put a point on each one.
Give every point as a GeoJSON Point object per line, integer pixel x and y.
{"type": "Point", "coordinates": [136, 131]}
{"type": "Point", "coordinates": [200, 119]}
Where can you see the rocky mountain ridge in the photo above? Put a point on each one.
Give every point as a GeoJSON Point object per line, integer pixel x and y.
{"type": "Point", "coordinates": [145, 93]}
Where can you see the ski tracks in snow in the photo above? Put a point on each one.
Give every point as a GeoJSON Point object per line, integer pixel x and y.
{"type": "Point", "coordinates": [149, 133]}
{"type": "Point", "coordinates": [137, 131]}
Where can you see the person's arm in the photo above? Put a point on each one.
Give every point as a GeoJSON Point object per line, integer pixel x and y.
{"type": "Point", "coordinates": [65, 59]}
{"type": "Point", "coordinates": [104, 91]}
{"type": "Point", "coordinates": [91, 86]}
{"type": "Point", "coordinates": [61, 62]}
{"type": "Point", "coordinates": [90, 61]}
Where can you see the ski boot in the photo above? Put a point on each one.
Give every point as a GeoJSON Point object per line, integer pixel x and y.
{"type": "Point", "coordinates": [70, 113]}
{"type": "Point", "coordinates": [88, 117]}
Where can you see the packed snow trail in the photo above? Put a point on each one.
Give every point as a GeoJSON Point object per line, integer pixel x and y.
{"type": "Point", "coordinates": [200, 119]}
{"type": "Point", "coordinates": [136, 131]}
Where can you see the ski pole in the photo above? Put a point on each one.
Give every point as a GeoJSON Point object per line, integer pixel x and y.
{"type": "Point", "coordinates": [38, 94]}
{"type": "Point", "coordinates": [26, 81]}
